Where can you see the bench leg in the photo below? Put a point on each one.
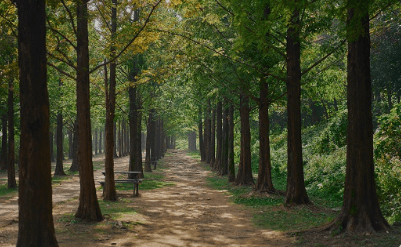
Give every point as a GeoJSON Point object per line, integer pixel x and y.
{"type": "Point", "coordinates": [136, 189]}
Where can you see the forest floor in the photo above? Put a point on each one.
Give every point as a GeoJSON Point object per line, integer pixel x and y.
{"type": "Point", "coordinates": [180, 209]}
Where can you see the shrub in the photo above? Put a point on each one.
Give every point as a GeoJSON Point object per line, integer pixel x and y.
{"type": "Point", "coordinates": [334, 136]}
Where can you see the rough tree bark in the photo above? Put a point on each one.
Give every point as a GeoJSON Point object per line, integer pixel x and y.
{"type": "Point", "coordinates": [149, 140]}
{"type": "Point", "coordinates": [244, 176]}
{"type": "Point", "coordinates": [217, 164]}
{"type": "Point", "coordinates": [109, 192]}
{"type": "Point", "coordinates": [11, 139]}
{"type": "Point", "coordinates": [224, 145]}
{"type": "Point", "coordinates": [296, 192]}
{"type": "Point", "coordinates": [265, 182]}
{"type": "Point", "coordinates": [360, 211]}
{"type": "Point", "coordinates": [35, 224]}
{"type": "Point", "coordinates": [213, 138]}
{"type": "Point", "coordinates": [231, 168]}
{"type": "Point", "coordinates": [207, 140]}
{"type": "Point", "coordinates": [75, 166]}
{"type": "Point", "coordinates": [3, 164]}
{"type": "Point", "coordinates": [59, 171]}
{"type": "Point", "coordinates": [70, 141]}
{"type": "Point", "coordinates": [88, 208]}
{"type": "Point", "coordinates": [201, 146]}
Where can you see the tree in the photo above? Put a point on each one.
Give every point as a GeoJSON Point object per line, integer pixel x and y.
{"type": "Point", "coordinates": [59, 171]}
{"type": "Point", "coordinates": [110, 192]}
{"type": "Point", "coordinates": [88, 204]}
{"type": "Point", "coordinates": [35, 225]}
{"type": "Point", "coordinates": [264, 182]}
{"type": "Point", "coordinates": [244, 176]}
{"type": "Point", "coordinates": [3, 161]}
{"type": "Point", "coordinates": [296, 192]}
{"type": "Point", "coordinates": [360, 210]}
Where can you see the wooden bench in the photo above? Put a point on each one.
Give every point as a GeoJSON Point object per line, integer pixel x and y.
{"type": "Point", "coordinates": [135, 181]}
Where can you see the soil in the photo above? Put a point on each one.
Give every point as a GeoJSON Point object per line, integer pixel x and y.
{"type": "Point", "coordinates": [186, 213]}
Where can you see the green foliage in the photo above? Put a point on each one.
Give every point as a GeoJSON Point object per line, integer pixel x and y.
{"type": "Point", "coordinates": [325, 176]}
{"type": "Point", "coordinates": [4, 191]}
{"type": "Point", "coordinates": [335, 134]}
{"type": "Point", "coordinates": [388, 163]}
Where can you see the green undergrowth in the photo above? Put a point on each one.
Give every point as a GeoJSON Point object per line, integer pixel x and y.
{"type": "Point", "coordinates": [6, 192]}
{"type": "Point", "coordinates": [268, 210]}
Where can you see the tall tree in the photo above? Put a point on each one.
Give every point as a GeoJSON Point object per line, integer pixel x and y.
{"type": "Point", "coordinates": [3, 161]}
{"type": "Point", "coordinates": [264, 182]}
{"type": "Point", "coordinates": [110, 192]}
{"type": "Point", "coordinates": [360, 210]}
{"type": "Point", "coordinates": [244, 176]}
{"type": "Point", "coordinates": [59, 171]}
{"type": "Point", "coordinates": [231, 168]}
{"type": "Point", "coordinates": [35, 225]}
{"type": "Point", "coordinates": [296, 192]}
{"type": "Point", "coordinates": [88, 204]}
{"type": "Point", "coordinates": [219, 109]}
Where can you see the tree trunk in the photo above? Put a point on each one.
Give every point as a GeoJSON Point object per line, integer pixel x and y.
{"type": "Point", "coordinates": [244, 176]}
{"type": "Point", "coordinates": [296, 192]}
{"type": "Point", "coordinates": [88, 208]}
{"type": "Point", "coordinates": [11, 141]}
{"type": "Point", "coordinates": [4, 142]}
{"type": "Point", "coordinates": [231, 168]}
{"type": "Point", "coordinates": [60, 152]}
{"type": "Point", "coordinates": [70, 145]}
{"type": "Point", "coordinates": [96, 141]}
{"type": "Point", "coordinates": [360, 211]}
{"type": "Point", "coordinates": [138, 166]}
{"type": "Point", "coordinates": [217, 163]}
{"type": "Point", "coordinates": [115, 139]}
{"type": "Point", "coordinates": [100, 141]}
{"type": "Point", "coordinates": [135, 134]}
{"type": "Point", "coordinates": [213, 138]}
{"type": "Point", "coordinates": [35, 221]}
{"type": "Point", "coordinates": [224, 145]}
{"type": "Point", "coordinates": [109, 192]}
{"type": "Point", "coordinates": [148, 167]}
{"type": "Point", "coordinates": [264, 183]}
{"type": "Point", "coordinates": [51, 140]}
{"type": "Point", "coordinates": [207, 139]}
{"type": "Point", "coordinates": [75, 165]}
{"type": "Point", "coordinates": [201, 147]}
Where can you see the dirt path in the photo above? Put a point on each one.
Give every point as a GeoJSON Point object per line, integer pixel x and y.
{"type": "Point", "coordinates": [185, 214]}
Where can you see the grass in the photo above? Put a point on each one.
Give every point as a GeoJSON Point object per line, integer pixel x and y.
{"type": "Point", "coordinates": [268, 210]}
{"type": "Point", "coordinates": [6, 192]}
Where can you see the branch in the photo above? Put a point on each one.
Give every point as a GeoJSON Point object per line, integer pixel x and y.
{"type": "Point", "coordinates": [61, 71]}
{"type": "Point", "coordinates": [11, 24]}
{"type": "Point", "coordinates": [231, 13]}
{"type": "Point", "coordinates": [71, 17]}
{"type": "Point", "coordinates": [61, 60]}
{"type": "Point", "coordinates": [62, 35]}
{"type": "Point", "coordinates": [130, 42]}
{"type": "Point", "coordinates": [103, 18]}
{"type": "Point", "coordinates": [323, 58]}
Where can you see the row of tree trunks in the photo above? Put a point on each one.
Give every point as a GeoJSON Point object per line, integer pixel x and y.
{"type": "Point", "coordinates": [200, 134]}
{"type": "Point", "coordinates": [171, 142]}
{"type": "Point", "coordinates": [217, 127]}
